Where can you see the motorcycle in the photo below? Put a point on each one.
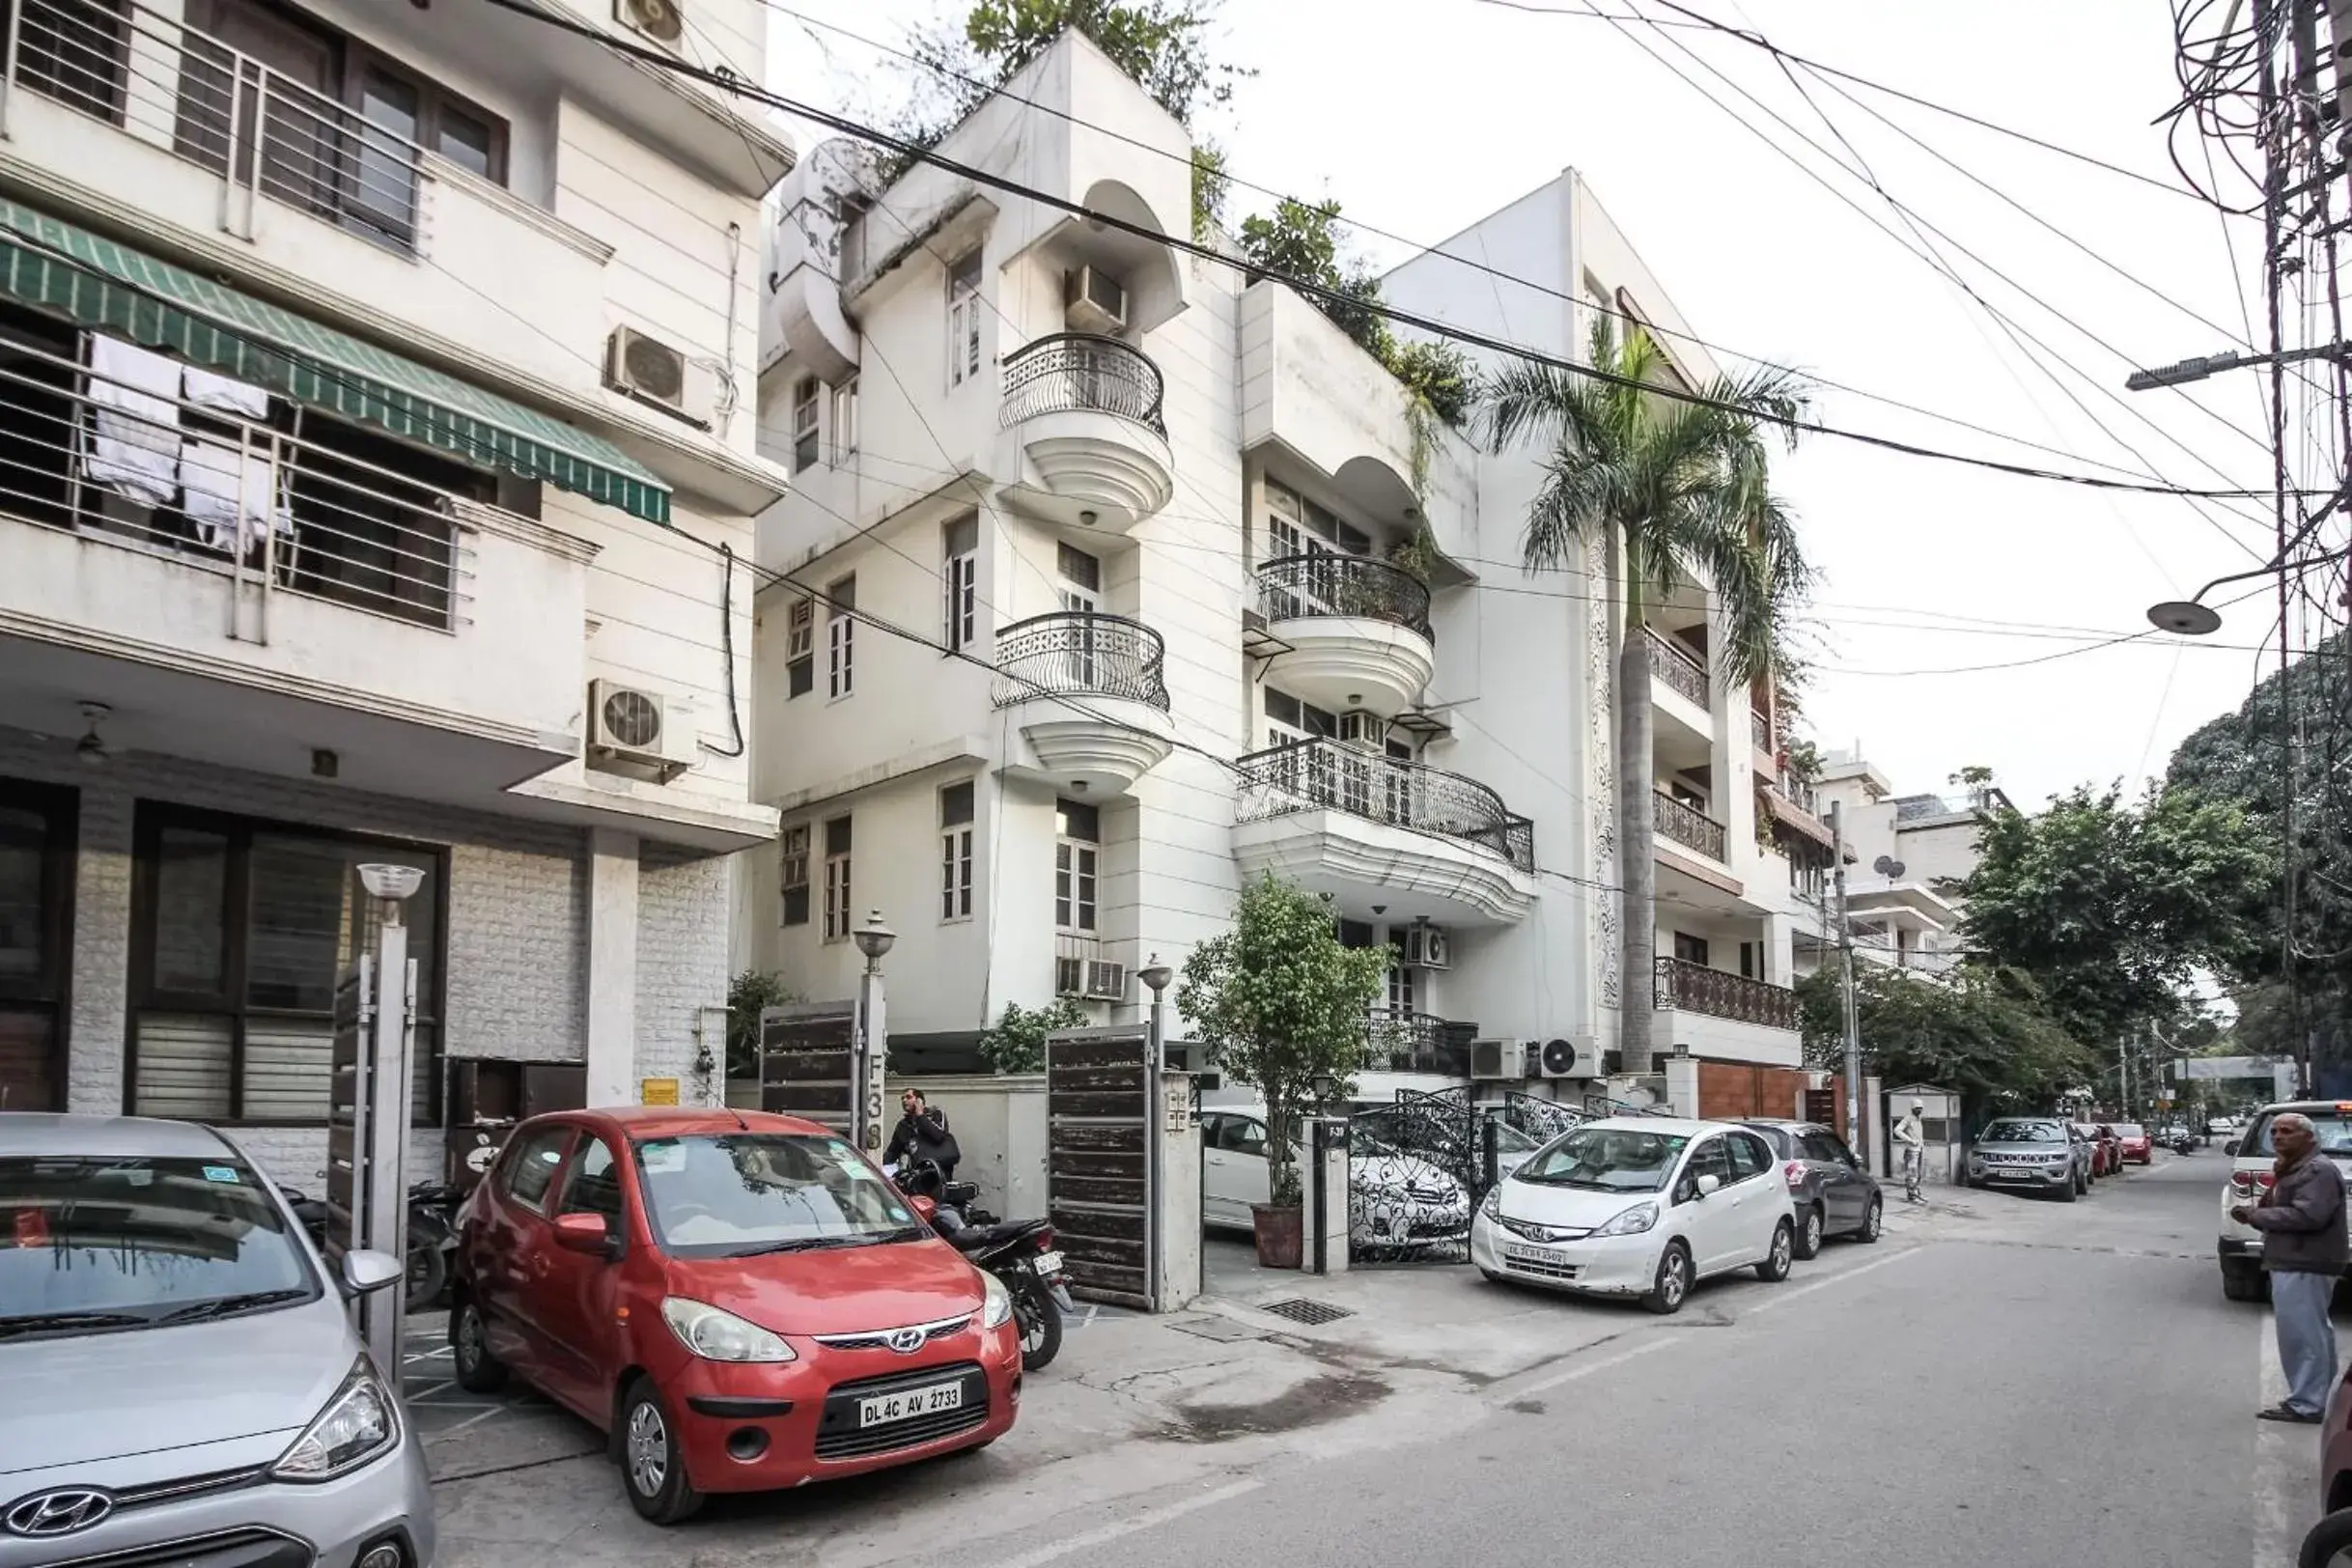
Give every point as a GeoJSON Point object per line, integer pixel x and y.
{"type": "Point", "coordinates": [2184, 1143]}
{"type": "Point", "coordinates": [432, 1242]}
{"type": "Point", "coordinates": [1020, 1253]}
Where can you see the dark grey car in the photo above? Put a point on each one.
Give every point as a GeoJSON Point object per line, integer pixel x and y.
{"type": "Point", "coordinates": [1829, 1189]}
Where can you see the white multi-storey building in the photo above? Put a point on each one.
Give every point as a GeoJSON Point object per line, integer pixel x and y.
{"type": "Point", "coordinates": [1091, 615]}
{"type": "Point", "coordinates": [1907, 857]}
{"type": "Point", "coordinates": [376, 417]}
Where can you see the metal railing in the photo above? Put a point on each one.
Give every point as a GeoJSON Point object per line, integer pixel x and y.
{"type": "Point", "coordinates": [1801, 794]}
{"type": "Point", "coordinates": [1301, 776]}
{"type": "Point", "coordinates": [1686, 824]}
{"type": "Point", "coordinates": [133, 461]}
{"type": "Point", "coordinates": [262, 130]}
{"type": "Point", "coordinates": [1677, 666]}
{"type": "Point", "coordinates": [1759, 731]}
{"type": "Point", "coordinates": [1079, 653]}
{"type": "Point", "coordinates": [1400, 1040]}
{"type": "Point", "coordinates": [1720, 994]}
{"type": "Point", "coordinates": [1329, 583]}
{"type": "Point", "coordinates": [1080, 371]}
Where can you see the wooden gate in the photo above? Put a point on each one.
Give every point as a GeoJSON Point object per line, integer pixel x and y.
{"type": "Point", "coordinates": [806, 1062]}
{"type": "Point", "coordinates": [1729, 1091]}
{"type": "Point", "coordinates": [1099, 1186]}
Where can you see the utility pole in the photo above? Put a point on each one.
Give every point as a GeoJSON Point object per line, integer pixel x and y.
{"type": "Point", "coordinates": [1845, 983]}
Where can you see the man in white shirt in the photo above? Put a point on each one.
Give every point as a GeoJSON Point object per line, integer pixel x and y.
{"type": "Point", "coordinates": [1911, 1139]}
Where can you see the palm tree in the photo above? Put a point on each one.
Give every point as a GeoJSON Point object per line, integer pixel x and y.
{"type": "Point", "coordinates": [1682, 489]}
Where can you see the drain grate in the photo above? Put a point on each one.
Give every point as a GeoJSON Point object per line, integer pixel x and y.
{"type": "Point", "coordinates": [1298, 1310]}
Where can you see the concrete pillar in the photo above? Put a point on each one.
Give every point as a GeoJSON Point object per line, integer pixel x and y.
{"type": "Point", "coordinates": [1177, 1223]}
{"type": "Point", "coordinates": [102, 950]}
{"type": "Point", "coordinates": [1327, 1229]}
{"type": "Point", "coordinates": [612, 967]}
{"type": "Point", "coordinates": [1681, 1084]}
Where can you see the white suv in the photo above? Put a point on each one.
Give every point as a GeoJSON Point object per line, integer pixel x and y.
{"type": "Point", "coordinates": [2252, 1157]}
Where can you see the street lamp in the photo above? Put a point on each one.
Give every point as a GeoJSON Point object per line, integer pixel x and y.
{"type": "Point", "coordinates": [1157, 976]}
{"type": "Point", "coordinates": [874, 939]}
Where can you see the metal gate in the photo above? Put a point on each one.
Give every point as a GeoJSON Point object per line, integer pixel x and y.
{"type": "Point", "coordinates": [1416, 1171]}
{"type": "Point", "coordinates": [1100, 1186]}
{"type": "Point", "coordinates": [807, 1067]}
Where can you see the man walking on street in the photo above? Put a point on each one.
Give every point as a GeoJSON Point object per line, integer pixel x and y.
{"type": "Point", "coordinates": [2304, 1251]}
{"type": "Point", "coordinates": [1911, 1139]}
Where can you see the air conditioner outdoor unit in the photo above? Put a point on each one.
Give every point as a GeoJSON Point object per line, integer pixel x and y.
{"type": "Point", "coordinates": [1505, 1060]}
{"type": "Point", "coordinates": [1105, 982]}
{"type": "Point", "coordinates": [1093, 300]}
{"type": "Point", "coordinates": [661, 21]}
{"type": "Point", "coordinates": [1427, 947]}
{"type": "Point", "coordinates": [652, 371]}
{"type": "Point", "coordinates": [1564, 1058]}
{"type": "Point", "coordinates": [631, 724]}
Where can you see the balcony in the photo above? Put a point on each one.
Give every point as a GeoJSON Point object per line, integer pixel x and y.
{"type": "Point", "coordinates": [1370, 830]}
{"type": "Point", "coordinates": [1087, 693]}
{"type": "Point", "coordinates": [1716, 1013]}
{"type": "Point", "coordinates": [238, 595]}
{"type": "Point", "coordinates": [1401, 1040]}
{"type": "Point", "coordinates": [1091, 449]}
{"type": "Point", "coordinates": [1686, 826]}
{"type": "Point", "coordinates": [1759, 737]}
{"type": "Point", "coordinates": [1355, 632]}
{"type": "Point", "coordinates": [1677, 669]}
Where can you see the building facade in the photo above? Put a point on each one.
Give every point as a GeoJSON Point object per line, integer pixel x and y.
{"type": "Point", "coordinates": [1907, 858]}
{"type": "Point", "coordinates": [375, 397]}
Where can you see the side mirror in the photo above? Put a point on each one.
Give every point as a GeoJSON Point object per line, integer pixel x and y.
{"type": "Point", "coordinates": [587, 1233]}
{"type": "Point", "coordinates": [2230, 1148]}
{"type": "Point", "coordinates": [1708, 1184]}
{"type": "Point", "coordinates": [367, 1270]}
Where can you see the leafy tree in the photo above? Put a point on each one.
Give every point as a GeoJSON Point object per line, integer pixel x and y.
{"type": "Point", "coordinates": [1211, 185]}
{"type": "Point", "coordinates": [1299, 239]}
{"type": "Point", "coordinates": [1281, 1005]}
{"type": "Point", "coordinates": [1437, 373]}
{"type": "Point", "coordinates": [746, 994]}
{"type": "Point", "coordinates": [1018, 1042]}
{"type": "Point", "coordinates": [1982, 1031]}
{"type": "Point", "coordinates": [1682, 489]}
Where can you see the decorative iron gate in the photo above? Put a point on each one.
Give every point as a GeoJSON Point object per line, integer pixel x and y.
{"type": "Point", "coordinates": [1098, 1177]}
{"type": "Point", "coordinates": [1416, 1171]}
{"type": "Point", "coordinates": [807, 1065]}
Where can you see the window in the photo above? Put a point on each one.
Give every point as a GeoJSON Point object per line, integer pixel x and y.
{"type": "Point", "coordinates": [241, 931]}
{"type": "Point", "coordinates": [1400, 986]}
{"type": "Point", "coordinates": [529, 1167]}
{"type": "Point", "coordinates": [1712, 1158]}
{"type": "Point", "coordinates": [800, 647]}
{"type": "Point", "coordinates": [1077, 865]}
{"type": "Point", "coordinates": [1081, 576]}
{"type": "Point", "coordinates": [963, 320]}
{"type": "Point", "coordinates": [1690, 949]}
{"type": "Point", "coordinates": [1297, 526]}
{"type": "Point", "coordinates": [1356, 934]}
{"type": "Point", "coordinates": [1822, 1146]}
{"type": "Point", "coordinates": [75, 52]}
{"type": "Point", "coordinates": [594, 1186]}
{"type": "Point", "coordinates": [36, 838]}
{"type": "Point", "coordinates": [836, 878]}
{"type": "Point", "coordinates": [796, 875]}
{"type": "Point", "coordinates": [956, 852]}
{"type": "Point", "coordinates": [840, 638]}
{"type": "Point", "coordinates": [845, 421]}
{"type": "Point", "coordinates": [960, 549]}
{"type": "Point", "coordinates": [803, 423]}
{"type": "Point", "coordinates": [1242, 1135]}
{"type": "Point", "coordinates": [1749, 1156]}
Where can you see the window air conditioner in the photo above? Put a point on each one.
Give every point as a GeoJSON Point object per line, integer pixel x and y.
{"type": "Point", "coordinates": [661, 21]}
{"type": "Point", "coordinates": [1093, 300]}
{"type": "Point", "coordinates": [1105, 982]}
{"type": "Point", "coordinates": [650, 370]}
{"type": "Point", "coordinates": [1426, 948]}
{"type": "Point", "coordinates": [1498, 1059]}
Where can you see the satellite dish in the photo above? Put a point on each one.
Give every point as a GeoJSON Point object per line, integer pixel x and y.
{"type": "Point", "coordinates": [2184, 618]}
{"type": "Point", "coordinates": [1888, 866]}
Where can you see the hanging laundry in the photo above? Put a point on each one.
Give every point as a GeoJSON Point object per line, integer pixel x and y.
{"type": "Point", "coordinates": [229, 396]}
{"type": "Point", "coordinates": [135, 446]}
{"type": "Point", "coordinates": [220, 484]}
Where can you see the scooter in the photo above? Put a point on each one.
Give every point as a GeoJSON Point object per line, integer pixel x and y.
{"type": "Point", "coordinates": [433, 1237]}
{"type": "Point", "coordinates": [1020, 1253]}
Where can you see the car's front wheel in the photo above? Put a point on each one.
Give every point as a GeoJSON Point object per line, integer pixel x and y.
{"type": "Point", "coordinates": [2245, 1284]}
{"type": "Point", "coordinates": [2071, 1191]}
{"type": "Point", "coordinates": [1670, 1286]}
{"type": "Point", "coordinates": [1775, 1266]}
{"type": "Point", "coordinates": [653, 1470]}
{"type": "Point", "coordinates": [478, 1371]}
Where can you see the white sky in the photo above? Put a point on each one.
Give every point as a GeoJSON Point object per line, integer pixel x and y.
{"type": "Point", "coordinates": [1421, 116]}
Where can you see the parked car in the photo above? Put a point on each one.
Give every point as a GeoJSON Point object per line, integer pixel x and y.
{"type": "Point", "coordinates": [2114, 1143]}
{"type": "Point", "coordinates": [2251, 1158]}
{"type": "Point", "coordinates": [2336, 1456]}
{"type": "Point", "coordinates": [182, 1371]}
{"type": "Point", "coordinates": [1641, 1206]}
{"type": "Point", "coordinates": [2105, 1158]}
{"type": "Point", "coordinates": [2137, 1148]}
{"type": "Point", "coordinates": [2033, 1154]}
{"type": "Point", "coordinates": [1830, 1191]}
{"type": "Point", "coordinates": [1396, 1200]}
{"type": "Point", "coordinates": [744, 1302]}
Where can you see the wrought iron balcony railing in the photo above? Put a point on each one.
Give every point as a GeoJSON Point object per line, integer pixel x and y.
{"type": "Point", "coordinates": [1400, 1040]}
{"type": "Point", "coordinates": [1301, 776]}
{"type": "Point", "coordinates": [1079, 653]}
{"type": "Point", "coordinates": [1327, 583]}
{"type": "Point", "coordinates": [1720, 994]}
{"type": "Point", "coordinates": [1079, 372]}
{"type": "Point", "coordinates": [1678, 667]}
{"type": "Point", "coordinates": [1687, 824]}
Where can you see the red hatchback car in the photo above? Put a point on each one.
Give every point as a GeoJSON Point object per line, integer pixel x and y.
{"type": "Point", "coordinates": [743, 1303]}
{"type": "Point", "coordinates": [2138, 1148]}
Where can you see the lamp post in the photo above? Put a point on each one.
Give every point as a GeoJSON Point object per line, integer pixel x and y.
{"type": "Point", "coordinates": [1157, 976]}
{"type": "Point", "coordinates": [874, 939]}
{"type": "Point", "coordinates": [380, 1206]}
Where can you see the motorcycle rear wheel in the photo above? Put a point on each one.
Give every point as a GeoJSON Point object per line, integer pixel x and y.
{"type": "Point", "coordinates": [428, 1274]}
{"type": "Point", "coordinates": [1040, 1323]}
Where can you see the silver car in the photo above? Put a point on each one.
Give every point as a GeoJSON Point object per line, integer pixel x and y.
{"type": "Point", "coordinates": [183, 1383]}
{"type": "Point", "coordinates": [2033, 1154]}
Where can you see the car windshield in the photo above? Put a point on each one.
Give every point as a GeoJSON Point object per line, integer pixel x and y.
{"type": "Point", "coordinates": [1607, 1160]}
{"type": "Point", "coordinates": [2130, 1130]}
{"type": "Point", "coordinates": [89, 1244]}
{"type": "Point", "coordinates": [2334, 1127]}
{"type": "Point", "coordinates": [1510, 1139]}
{"type": "Point", "coordinates": [733, 1194]}
{"type": "Point", "coordinates": [2019, 1132]}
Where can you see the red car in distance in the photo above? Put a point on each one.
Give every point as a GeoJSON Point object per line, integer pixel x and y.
{"type": "Point", "coordinates": [743, 1303]}
{"type": "Point", "coordinates": [2138, 1148]}
{"type": "Point", "coordinates": [2105, 1152]}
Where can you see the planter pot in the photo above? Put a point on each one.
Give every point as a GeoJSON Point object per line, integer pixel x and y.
{"type": "Point", "coordinates": [1281, 1234]}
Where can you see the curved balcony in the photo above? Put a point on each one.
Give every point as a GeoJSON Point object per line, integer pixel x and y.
{"type": "Point", "coordinates": [1371, 830]}
{"type": "Point", "coordinates": [1354, 630]}
{"type": "Point", "coordinates": [1090, 445]}
{"type": "Point", "coordinates": [1089, 698]}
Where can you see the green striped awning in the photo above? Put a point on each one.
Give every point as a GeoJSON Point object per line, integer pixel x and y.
{"type": "Point", "coordinates": [54, 266]}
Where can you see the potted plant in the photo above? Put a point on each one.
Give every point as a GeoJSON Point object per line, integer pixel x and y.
{"type": "Point", "coordinates": [1281, 1005]}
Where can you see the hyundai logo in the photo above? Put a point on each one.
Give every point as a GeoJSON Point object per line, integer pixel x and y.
{"type": "Point", "coordinates": [58, 1513]}
{"type": "Point", "coordinates": [907, 1341]}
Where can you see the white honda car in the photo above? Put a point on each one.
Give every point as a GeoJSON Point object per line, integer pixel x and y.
{"type": "Point", "coordinates": [1638, 1206]}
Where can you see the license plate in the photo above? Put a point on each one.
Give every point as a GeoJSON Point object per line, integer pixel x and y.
{"type": "Point", "coordinates": [1545, 1255]}
{"type": "Point", "coordinates": [1049, 1264]}
{"type": "Point", "coordinates": [2015, 1173]}
{"type": "Point", "coordinates": [883, 1409]}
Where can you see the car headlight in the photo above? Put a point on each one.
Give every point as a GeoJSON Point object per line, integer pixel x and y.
{"type": "Point", "coordinates": [995, 1302]}
{"type": "Point", "coordinates": [357, 1425]}
{"type": "Point", "coordinates": [1630, 1222]}
{"type": "Point", "coordinates": [716, 1335]}
{"type": "Point", "coordinates": [1491, 1208]}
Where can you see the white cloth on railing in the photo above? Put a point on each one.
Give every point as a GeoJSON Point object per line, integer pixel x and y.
{"type": "Point", "coordinates": [219, 483]}
{"type": "Point", "coordinates": [225, 393]}
{"type": "Point", "coordinates": [134, 445]}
